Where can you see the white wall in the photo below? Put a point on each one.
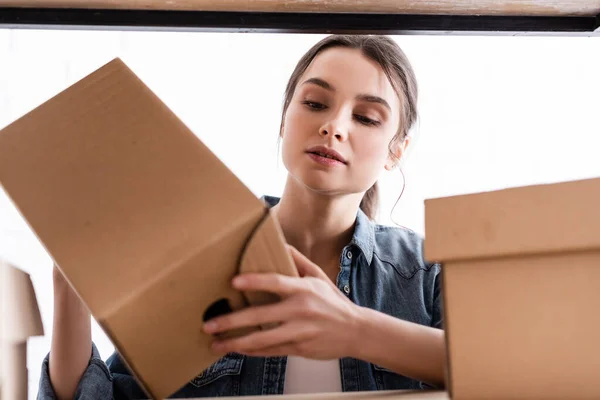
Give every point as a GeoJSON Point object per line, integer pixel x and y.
{"type": "Point", "coordinates": [494, 112]}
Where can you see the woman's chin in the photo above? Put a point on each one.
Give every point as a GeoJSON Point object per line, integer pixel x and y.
{"type": "Point", "coordinates": [319, 182]}
{"type": "Point", "coordinates": [325, 188]}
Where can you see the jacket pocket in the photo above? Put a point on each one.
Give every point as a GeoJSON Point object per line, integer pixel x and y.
{"type": "Point", "coordinates": [378, 368]}
{"type": "Point", "coordinates": [386, 379]}
{"type": "Point", "coordinates": [230, 364]}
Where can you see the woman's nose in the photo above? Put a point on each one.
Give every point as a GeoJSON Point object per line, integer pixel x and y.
{"type": "Point", "coordinates": [334, 128]}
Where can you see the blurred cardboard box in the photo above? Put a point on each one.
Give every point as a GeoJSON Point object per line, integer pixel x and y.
{"type": "Point", "coordinates": [21, 319]}
{"type": "Point", "coordinates": [372, 395]}
{"type": "Point", "coordinates": [144, 221]}
{"type": "Point", "coordinates": [521, 282]}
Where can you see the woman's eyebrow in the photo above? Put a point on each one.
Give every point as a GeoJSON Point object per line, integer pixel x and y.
{"type": "Point", "coordinates": [320, 82]}
{"type": "Point", "coordinates": [374, 99]}
{"type": "Point", "coordinates": [363, 97]}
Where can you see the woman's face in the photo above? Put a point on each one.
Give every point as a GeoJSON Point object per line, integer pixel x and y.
{"type": "Point", "coordinates": [343, 103]}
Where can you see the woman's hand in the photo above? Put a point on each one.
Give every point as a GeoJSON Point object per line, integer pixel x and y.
{"type": "Point", "coordinates": [315, 320]}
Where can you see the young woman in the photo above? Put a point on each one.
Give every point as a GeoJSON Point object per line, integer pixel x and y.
{"type": "Point", "coordinates": [366, 312]}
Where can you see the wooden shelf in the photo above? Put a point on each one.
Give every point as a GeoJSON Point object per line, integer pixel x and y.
{"type": "Point", "coordinates": [578, 17]}
{"type": "Point", "coordinates": [447, 7]}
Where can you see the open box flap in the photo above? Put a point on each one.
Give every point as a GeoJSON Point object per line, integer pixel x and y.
{"type": "Point", "coordinates": [170, 312]}
{"type": "Point", "coordinates": [185, 349]}
{"type": "Point", "coordinates": [265, 244]}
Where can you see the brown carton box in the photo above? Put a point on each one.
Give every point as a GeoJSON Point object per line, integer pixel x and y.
{"type": "Point", "coordinates": [521, 277]}
{"type": "Point", "coordinates": [19, 320]}
{"type": "Point", "coordinates": [374, 395]}
{"type": "Point", "coordinates": [144, 221]}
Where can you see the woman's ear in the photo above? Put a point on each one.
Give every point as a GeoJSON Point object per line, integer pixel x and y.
{"type": "Point", "coordinates": [397, 152]}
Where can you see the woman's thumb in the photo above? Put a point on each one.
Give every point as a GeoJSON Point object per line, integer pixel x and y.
{"type": "Point", "coordinates": [304, 266]}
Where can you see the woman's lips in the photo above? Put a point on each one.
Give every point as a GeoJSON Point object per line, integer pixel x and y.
{"type": "Point", "coordinates": [329, 162]}
{"type": "Point", "coordinates": [327, 152]}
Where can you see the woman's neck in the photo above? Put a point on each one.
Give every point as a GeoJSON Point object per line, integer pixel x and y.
{"type": "Point", "coordinates": [318, 225]}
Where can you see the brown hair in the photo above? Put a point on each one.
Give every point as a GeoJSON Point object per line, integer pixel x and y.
{"type": "Point", "coordinates": [386, 52]}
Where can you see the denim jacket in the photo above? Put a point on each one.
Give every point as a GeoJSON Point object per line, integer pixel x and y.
{"type": "Point", "coordinates": [382, 268]}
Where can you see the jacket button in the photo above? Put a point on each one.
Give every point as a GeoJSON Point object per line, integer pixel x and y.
{"type": "Point", "coordinates": [346, 289]}
{"type": "Point", "coordinates": [349, 255]}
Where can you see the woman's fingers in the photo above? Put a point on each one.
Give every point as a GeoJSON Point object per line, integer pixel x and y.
{"type": "Point", "coordinates": [305, 266]}
{"type": "Point", "coordinates": [251, 317]}
{"type": "Point", "coordinates": [283, 336]}
{"type": "Point", "coordinates": [269, 282]}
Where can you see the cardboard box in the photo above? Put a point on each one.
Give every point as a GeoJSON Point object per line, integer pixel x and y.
{"type": "Point", "coordinates": [20, 319]}
{"type": "Point", "coordinates": [375, 395]}
{"type": "Point", "coordinates": [521, 274]}
{"type": "Point", "coordinates": [144, 221]}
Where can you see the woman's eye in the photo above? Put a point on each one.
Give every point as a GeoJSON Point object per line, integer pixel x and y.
{"type": "Point", "coordinates": [314, 105]}
{"type": "Point", "coordinates": [366, 121]}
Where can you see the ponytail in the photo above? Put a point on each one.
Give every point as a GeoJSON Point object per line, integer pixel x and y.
{"type": "Point", "coordinates": [370, 202]}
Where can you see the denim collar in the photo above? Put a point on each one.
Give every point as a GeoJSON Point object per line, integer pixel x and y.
{"type": "Point", "coordinates": [364, 230]}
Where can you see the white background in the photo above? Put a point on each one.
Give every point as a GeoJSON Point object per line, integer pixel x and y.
{"type": "Point", "coordinates": [495, 112]}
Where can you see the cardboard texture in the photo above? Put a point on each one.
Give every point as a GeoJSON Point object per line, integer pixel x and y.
{"type": "Point", "coordinates": [375, 395]}
{"type": "Point", "coordinates": [144, 221]}
{"type": "Point", "coordinates": [20, 320]}
{"type": "Point", "coordinates": [521, 272]}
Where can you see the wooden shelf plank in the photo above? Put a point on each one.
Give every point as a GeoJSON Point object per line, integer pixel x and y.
{"type": "Point", "coordinates": [439, 7]}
